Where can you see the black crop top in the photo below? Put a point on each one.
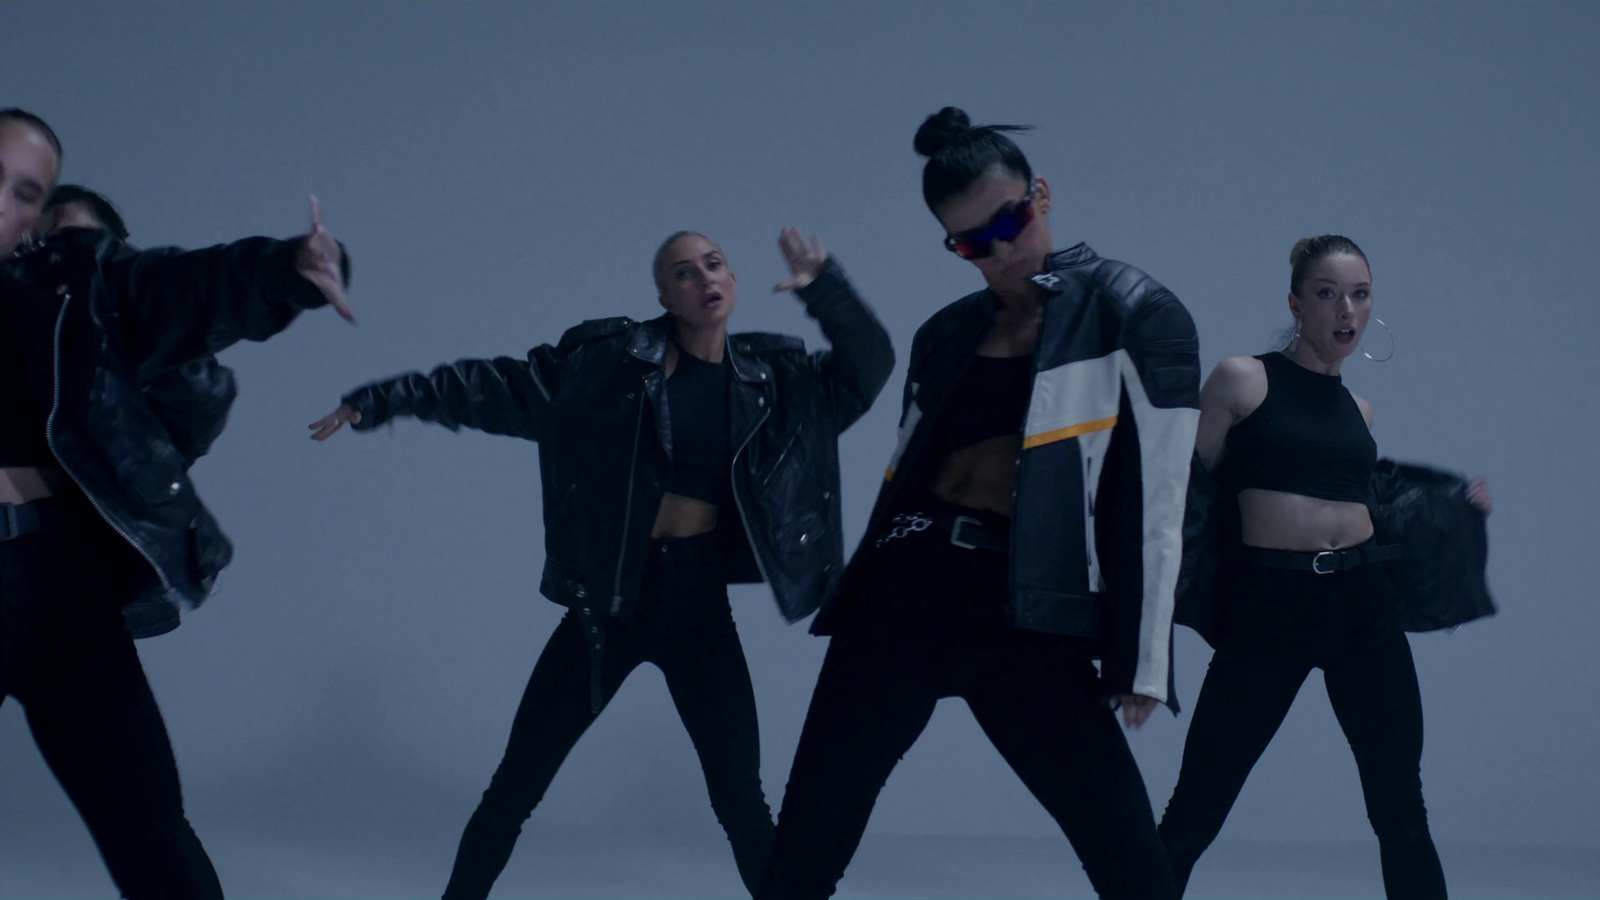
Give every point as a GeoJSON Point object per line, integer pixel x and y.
{"type": "Point", "coordinates": [22, 423]}
{"type": "Point", "coordinates": [1307, 437]}
{"type": "Point", "coordinates": [989, 400]}
{"type": "Point", "coordinates": [702, 455]}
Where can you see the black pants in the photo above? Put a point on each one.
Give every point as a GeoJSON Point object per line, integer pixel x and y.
{"type": "Point", "coordinates": [685, 627]}
{"type": "Point", "coordinates": [1278, 627]}
{"type": "Point", "coordinates": [66, 657]}
{"type": "Point", "coordinates": [930, 623]}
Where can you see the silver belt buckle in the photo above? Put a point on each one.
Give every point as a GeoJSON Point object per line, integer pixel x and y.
{"type": "Point", "coordinates": [1316, 561]}
{"type": "Point", "coordinates": [955, 532]}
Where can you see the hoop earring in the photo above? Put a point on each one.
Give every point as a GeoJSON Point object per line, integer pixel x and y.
{"type": "Point", "coordinates": [1391, 343]}
{"type": "Point", "coordinates": [1294, 341]}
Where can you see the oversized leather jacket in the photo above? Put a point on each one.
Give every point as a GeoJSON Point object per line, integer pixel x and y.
{"type": "Point", "coordinates": [1439, 581]}
{"type": "Point", "coordinates": [1097, 515]}
{"type": "Point", "coordinates": [596, 403]}
{"type": "Point", "coordinates": [117, 351]}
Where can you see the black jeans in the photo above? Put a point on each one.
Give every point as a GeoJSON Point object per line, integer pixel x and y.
{"type": "Point", "coordinates": [1280, 625]}
{"type": "Point", "coordinates": [66, 657]}
{"type": "Point", "coordinates": [930, 623]}
{"type": "Point", "coordinates": [685, 627]}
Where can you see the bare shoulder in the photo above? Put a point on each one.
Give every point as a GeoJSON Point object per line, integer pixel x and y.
{"type": "Point", "coordinates": [1364, 406]}
{"type": "Point", "coordinates": [1238, 383]}
{"type": "Point", "coordinates": [1239, 369]}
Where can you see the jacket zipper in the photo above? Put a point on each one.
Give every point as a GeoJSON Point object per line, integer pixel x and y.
{"type": "Point", "coordinates": [627, 507]}
{"type": "Point", "coordinates": [49, 436]}
{"type": "Point", "coordinates": [744, 520]}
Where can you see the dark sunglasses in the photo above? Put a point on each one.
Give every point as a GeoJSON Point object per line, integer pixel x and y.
{"type": "Point", "coordinates": [1005, 225]}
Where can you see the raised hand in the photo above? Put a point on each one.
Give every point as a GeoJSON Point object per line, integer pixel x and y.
{"type": "Point", "coordinates": [1478, 495]}
{"type": "Point", "coordinates": [1136, 709]}
{"type": "Point", "coordinates": [326, 426]}
{"type": "Point", "coordinates": [805, 260]}
{"type": "Point", "coordinates": [318, 262]}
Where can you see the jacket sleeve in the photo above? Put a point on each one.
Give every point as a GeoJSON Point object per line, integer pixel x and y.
{"type": "Point", "coordinates": [193, 402]}
{"type": "Point", "coordinates": [179, 305]}
{"type": "Point", "coordinates": [910, 412]}
{"type": "Point", "coordinates": [860, 356]}
{"type": "Point", "coordinates": [503, 395]}
{"type": "Point", "coordinates": [1161, 386]}
{"type": "Point", "coordinates": [1441, 579]}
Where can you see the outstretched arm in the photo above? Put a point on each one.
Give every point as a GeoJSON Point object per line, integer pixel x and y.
{"type": "Point", "coordinates": [499, 396]}
{"type": "Point", "coordinates": [179, 306]}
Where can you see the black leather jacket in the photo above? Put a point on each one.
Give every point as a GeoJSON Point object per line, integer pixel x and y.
{"type": "Point", "coordinates": [119, 342]}
{"type": "Point", "coordinates": [596, 403]}
{"type": "Point", "coordinates": [1097, 516]}
{"type": "Point", "coordinates": [1439, 582]}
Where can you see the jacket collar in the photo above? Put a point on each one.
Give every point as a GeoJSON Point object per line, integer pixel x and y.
{"type": "Point", "coordinates": [649, 345]}
{"type": "Point", "coordinates": [1077, 255]}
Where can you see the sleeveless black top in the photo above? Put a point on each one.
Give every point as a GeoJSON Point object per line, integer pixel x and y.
{"type": "Point", "coordinates": [989, 400]}
{"type": "Point", "coordinates": [702, 451]}
{"type": "Point", "coordinates": [22, 423]}
{"type": "Point", "coordinates": [1307, 437]}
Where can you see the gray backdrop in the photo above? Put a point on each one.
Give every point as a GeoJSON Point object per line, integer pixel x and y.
{"type": "Point", "coordinates": [500, 172]}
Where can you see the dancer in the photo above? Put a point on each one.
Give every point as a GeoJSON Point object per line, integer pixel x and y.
{"type": "Point", "coordinates": [192, 399]}
{"type": "Point", "coordinates": [676, 459]}
{"type": "Point", "coordinates": [1030, 522]}
{"type": "Point", "coordinates": [92, 489]}
{"type": "Point", "coordinates": [1293, 446]}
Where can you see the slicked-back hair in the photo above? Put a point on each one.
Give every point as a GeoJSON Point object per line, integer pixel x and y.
{"type": "Point", "coordinates": [959, 154]}
{"type": "Point", "coordinates": [68, 194]}
{"type": "Point", "coordinates": [661, 256]}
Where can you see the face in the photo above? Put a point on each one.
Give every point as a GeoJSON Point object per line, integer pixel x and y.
{"type": "Point", "coordinates": [27, 175]}
{"type": "Point", "coordinates": [700, 288]}
{"type": "Point", "coordinates": [1338, 300]}
{"type": "Point", "coordinates": [1000, 191]}
{"type": "Point", "coordinates": [72, 215]}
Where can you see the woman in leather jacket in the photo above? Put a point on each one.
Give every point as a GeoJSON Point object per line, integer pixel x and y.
{"type": "Point", "coordinates": [1044, 417]}
{"type": "Point", "coordinates": [676, 458]}
{"type": "Point", "coordinates": [192, 400]}
{"type": "Point", "coordinates": [95, 500]}
{"type": "Point", "coordinates": [1306, 505]}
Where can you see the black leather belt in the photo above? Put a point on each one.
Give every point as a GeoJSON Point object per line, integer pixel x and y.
{"type": "Point", "coordinates": [21, 519]}
{"type": "Point", "coordinates": [971, 533]}
{"type": "Point", "coordinates": [1322, 562]}
{"type": "Point", "coordinates": [945, 521]}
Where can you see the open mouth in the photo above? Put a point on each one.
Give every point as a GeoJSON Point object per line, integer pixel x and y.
{"type": "Point", "coordinates": [712, 301]}
{"type": "Point", "coordinates": [1345, 335]}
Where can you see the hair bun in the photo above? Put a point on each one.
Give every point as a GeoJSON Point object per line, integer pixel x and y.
{"type": "Point", "coordinates": [940, 130]}
{"type": "Point", "coordinates": [1298, 251]}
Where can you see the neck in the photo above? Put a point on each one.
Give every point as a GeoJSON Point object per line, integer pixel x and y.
{"type": "Point", "coordinates": [707, 343]}
{"type": "Point", "coordinates": [1017, 300]}
{"type": "Point", "coordinates": [1305, 355]}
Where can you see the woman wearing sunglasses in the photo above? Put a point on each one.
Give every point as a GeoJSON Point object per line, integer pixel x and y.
{"type": "Point", "coordinates": [676, 459]}
{"type": "Point", "coordinates": [1030, 523]}
{"type": "Point", "coordinates": [1295, 464]}
{"type": "Point", "coordinates": [96, 503]}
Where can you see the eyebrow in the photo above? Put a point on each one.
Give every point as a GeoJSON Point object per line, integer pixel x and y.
{"type": "Point", "coordinates": [1331, 281]}
{"type": "Point", "coordinates": [688, 260]}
